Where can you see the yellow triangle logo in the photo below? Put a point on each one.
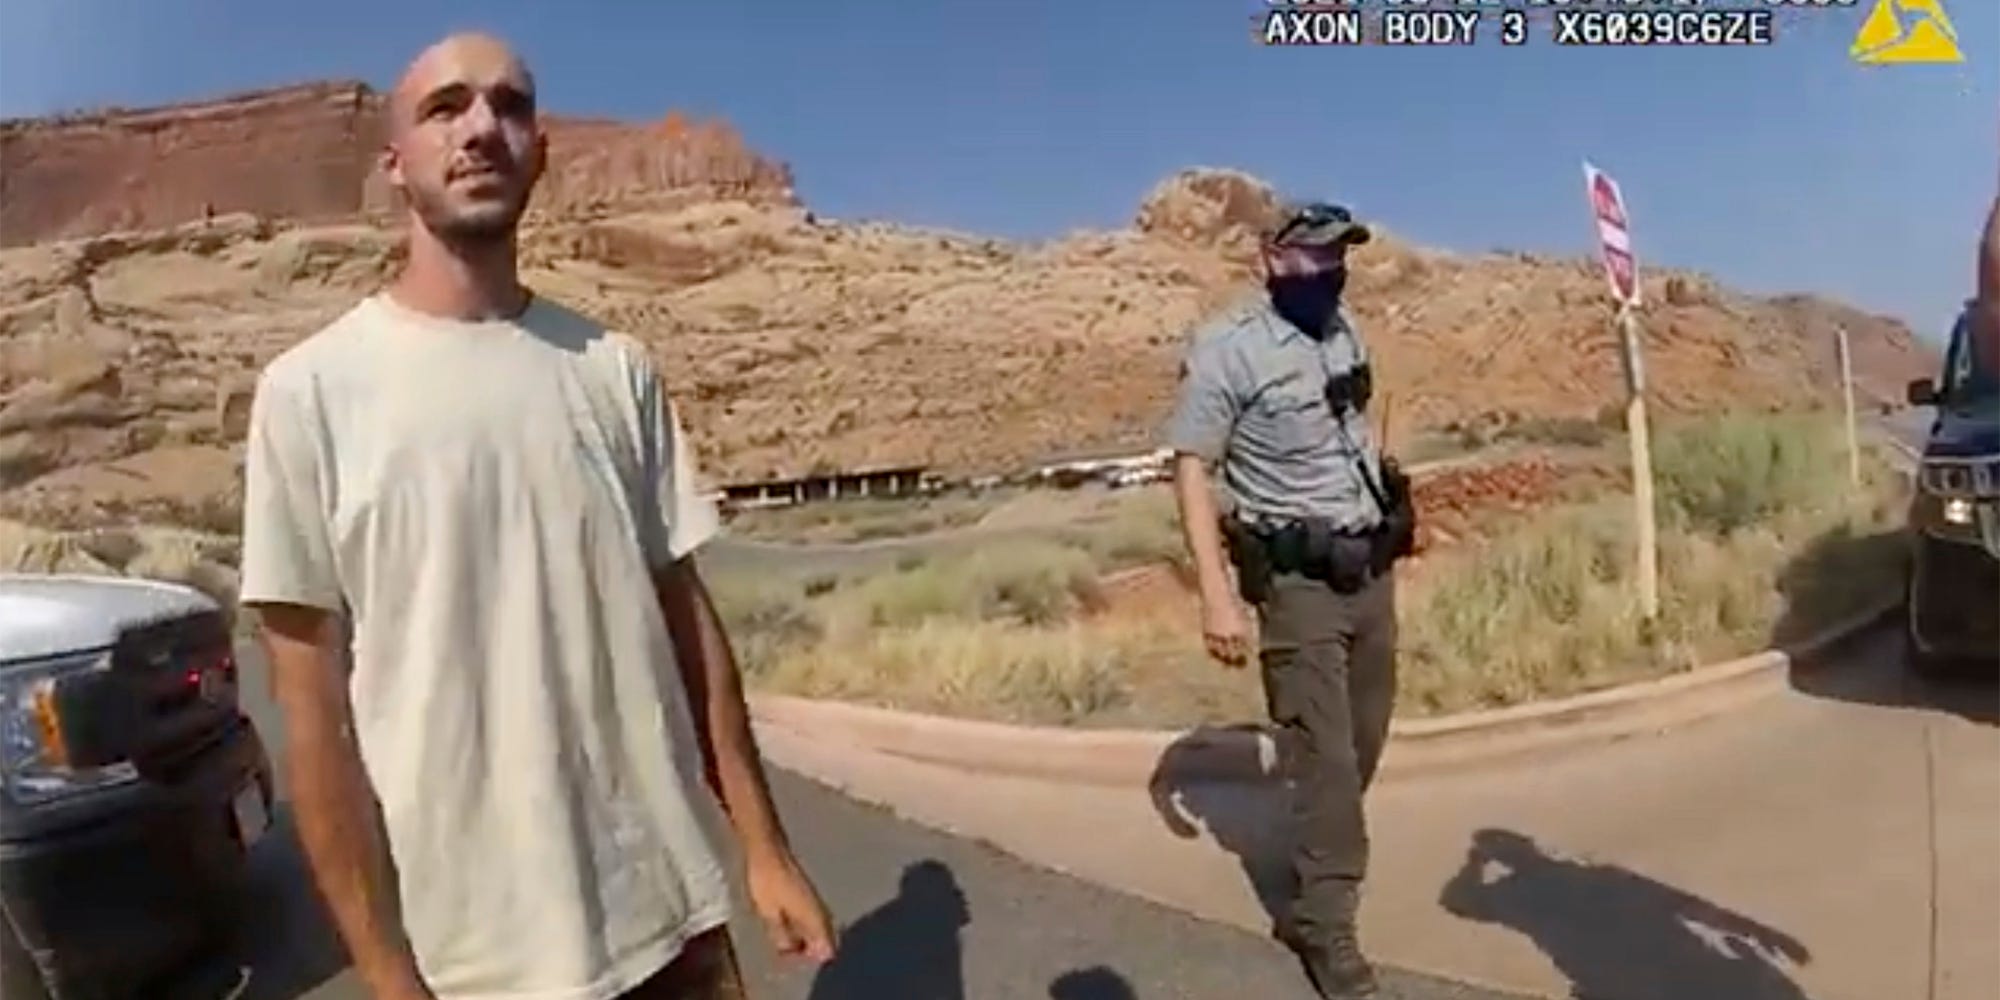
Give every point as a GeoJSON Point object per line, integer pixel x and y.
{"type": "Point", "coordinates": [1883, 40]}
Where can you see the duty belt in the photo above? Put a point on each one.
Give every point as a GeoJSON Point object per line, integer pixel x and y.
{"type": "Point", "coordinates": [1344, 558]}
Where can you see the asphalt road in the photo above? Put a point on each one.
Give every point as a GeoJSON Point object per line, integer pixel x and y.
{"type": "Point", "coordinates": [925, 916]}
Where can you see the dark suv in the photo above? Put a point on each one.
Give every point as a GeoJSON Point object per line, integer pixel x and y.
{"type": "Point", "coordinates": [131, 786]}
{"type": "Point", "coordinates": [1954, 590]}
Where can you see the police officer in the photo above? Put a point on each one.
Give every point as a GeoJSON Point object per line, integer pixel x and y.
{"type": "Point", "coordinates": [1274, 392]}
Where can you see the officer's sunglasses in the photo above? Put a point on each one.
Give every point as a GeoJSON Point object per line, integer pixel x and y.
{"type": "Point", "coordinates": [1313, 217]}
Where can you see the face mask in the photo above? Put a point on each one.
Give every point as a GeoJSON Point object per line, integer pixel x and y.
{"type": "Point", "coordinates": [1309, 302]}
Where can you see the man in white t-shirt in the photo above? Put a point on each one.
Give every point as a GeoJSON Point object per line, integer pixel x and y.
{"type": "Point", "coordinates": [468, 521]}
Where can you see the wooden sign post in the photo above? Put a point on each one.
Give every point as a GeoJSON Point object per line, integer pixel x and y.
{"type": "Point", "coordinates": [1621, 270]}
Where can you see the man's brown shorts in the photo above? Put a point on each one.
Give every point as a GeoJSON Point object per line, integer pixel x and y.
{"type": "Point", "coordinates": [706, 969]}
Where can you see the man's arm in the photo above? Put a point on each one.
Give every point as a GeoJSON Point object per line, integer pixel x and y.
{"type": "Point", "coordinates": [339, 821]}
{"type": "Point", "coordinates": [678, 521]}
{"type": "Point", "coordinates": [785, 899]}
{"type": "Point", "coordinates": [721, 717]}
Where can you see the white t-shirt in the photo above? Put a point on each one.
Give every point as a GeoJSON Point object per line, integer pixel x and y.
{"type": "Point", "coordinates": [485, 501]}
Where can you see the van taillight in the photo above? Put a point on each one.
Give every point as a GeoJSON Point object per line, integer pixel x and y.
{"type": "Point", "coordinates": [213, 675]}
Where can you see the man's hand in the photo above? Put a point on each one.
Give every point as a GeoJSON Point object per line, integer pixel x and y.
{"type": "Point", "coordinates": [791, 909]}
{"type": "Point", "coordinates": [1225, 630]}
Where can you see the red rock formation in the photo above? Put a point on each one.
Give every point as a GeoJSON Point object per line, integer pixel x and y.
{"type": "Point", "coordinates": [596, 164]}
{"type": "Point", "coordinates": [120, 169]}
{"type": "Point", "coordinates": [307, 153]}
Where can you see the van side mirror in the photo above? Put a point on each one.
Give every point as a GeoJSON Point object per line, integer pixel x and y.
{"type": "Point", "coordinates": [1923, 392]}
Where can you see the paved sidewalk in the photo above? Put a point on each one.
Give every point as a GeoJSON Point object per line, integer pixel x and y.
{"type": "Point", "coordinates": [1779, 853]}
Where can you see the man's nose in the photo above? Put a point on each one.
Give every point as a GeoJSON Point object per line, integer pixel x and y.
{"type": "Point", "coordinates": [479, 122]}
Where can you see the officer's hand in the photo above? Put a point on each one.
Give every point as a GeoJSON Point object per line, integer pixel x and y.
{"type": "Point", "coordinates": [1226, 632]}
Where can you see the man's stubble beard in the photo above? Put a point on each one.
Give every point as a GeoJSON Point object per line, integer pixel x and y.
{"type": "Point", "coordinates": [479, 227]}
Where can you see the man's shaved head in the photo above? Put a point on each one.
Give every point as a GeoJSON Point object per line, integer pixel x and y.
{"type": "Point", "coordinates": [469, 54]}
{"type": "Point", "coordinates": [465, 147]}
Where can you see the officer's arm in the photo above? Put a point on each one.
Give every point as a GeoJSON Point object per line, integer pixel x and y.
{"type": "Point", "coordinates": [1201, 527]}
{"type": "Point", "coordinates": [1204, 416]}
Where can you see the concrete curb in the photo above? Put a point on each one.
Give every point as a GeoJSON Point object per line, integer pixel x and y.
{"type": "Point", "coordinates": [1245, 753]}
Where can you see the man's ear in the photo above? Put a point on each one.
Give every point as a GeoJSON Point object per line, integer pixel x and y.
{"type": "Point", "coordinates": [390, 163]}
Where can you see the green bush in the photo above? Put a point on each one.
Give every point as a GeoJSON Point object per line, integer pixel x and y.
{"type": "Point", "coordinates": [1721, 475]}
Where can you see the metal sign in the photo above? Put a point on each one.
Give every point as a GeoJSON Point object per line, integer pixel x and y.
{"type": "Point", "coordinates": [1614, 234]}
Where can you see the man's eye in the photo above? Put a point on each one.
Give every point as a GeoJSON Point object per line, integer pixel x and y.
{"type": "Point", "coordinates": [513, 106]}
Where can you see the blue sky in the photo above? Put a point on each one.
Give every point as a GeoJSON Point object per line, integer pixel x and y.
{"type": "Point", "coordinates": [1775, 169]}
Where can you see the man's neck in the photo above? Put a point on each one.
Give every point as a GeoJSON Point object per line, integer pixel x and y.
{"type": "Point", "coordinates": [465, 282]}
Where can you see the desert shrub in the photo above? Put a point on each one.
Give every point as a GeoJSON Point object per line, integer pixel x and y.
{"type": "Point", "coordinates": [980, 668]}
{"type": "Point", "coordinates": [1724, 474]}
{"type": "Point", "coordinates": [1762, 539]}
{"type": "Point", "coordinates": [1033, 581]}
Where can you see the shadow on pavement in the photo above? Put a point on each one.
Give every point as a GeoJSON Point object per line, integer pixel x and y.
{"type": "Point", "coordinates": [1616, 934]}
{"type": "Point", "coordinates": [907, 947]}
{"type": "Point", "coordinates": [1094, 983]}
{"type": "Point", "coordinates": [1247, 820]}
{"type": "Point", "coordinates": [1819, 587]}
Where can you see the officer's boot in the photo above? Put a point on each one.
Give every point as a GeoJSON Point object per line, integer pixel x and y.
{"type": "Point", "coordinates": [1334, 961]}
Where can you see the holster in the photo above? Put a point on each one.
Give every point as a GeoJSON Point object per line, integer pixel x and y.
{"type": "Point", "coordinates": [1252, 561]}
{"type": "Point", "coordinates": [1398, 537]}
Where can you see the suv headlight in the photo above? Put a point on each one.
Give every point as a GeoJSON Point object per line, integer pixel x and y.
{"type": "Point", "coordinates": [37, 724]}
{"type": "Point", "coordinates": [1947, 517]}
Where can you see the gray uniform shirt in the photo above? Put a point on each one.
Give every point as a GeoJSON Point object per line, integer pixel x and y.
{"type": "Point", "coordinates": [1253, 399]}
